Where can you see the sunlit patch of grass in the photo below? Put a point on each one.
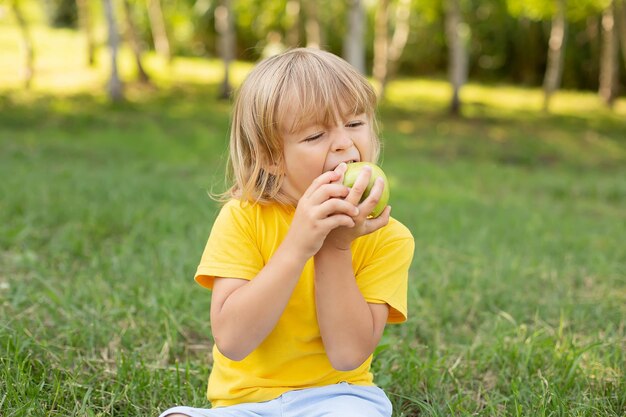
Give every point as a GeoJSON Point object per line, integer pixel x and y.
{"type": "Point", "coordinates": [434, 95]}
{"type": "Point", "coordinates": [412, 95]}
{"type": "Point", "coordinates": [65, 70]}
{"type": "Point", "coordinates": [505, 123]}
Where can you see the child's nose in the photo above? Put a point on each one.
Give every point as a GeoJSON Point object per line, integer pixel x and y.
{"type": "Point", "coordinates": [342, 141]}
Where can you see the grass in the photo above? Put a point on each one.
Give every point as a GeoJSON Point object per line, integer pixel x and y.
{"type": "Point", "coordinates": [517, 290]}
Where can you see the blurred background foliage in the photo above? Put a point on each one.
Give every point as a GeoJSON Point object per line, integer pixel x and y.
{"type": "Point", "coordinates": [508, 39]}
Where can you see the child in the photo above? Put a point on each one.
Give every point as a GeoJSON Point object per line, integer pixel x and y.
{"type": "Point", "coordinates": [303, 281]}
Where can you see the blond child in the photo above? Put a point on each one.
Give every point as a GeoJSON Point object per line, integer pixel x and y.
{"type": "Point", "coordinates": [303, 281]}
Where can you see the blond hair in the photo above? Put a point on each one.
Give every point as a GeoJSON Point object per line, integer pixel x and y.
{"type": "Point", "coordinates": [320, 84]}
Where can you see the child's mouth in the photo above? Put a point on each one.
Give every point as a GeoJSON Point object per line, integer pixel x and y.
{"type": "Point", "coordinates": [347, 162]}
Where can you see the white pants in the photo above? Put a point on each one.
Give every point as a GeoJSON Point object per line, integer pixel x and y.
{"type": "Point", "coordinates": [340, 400]}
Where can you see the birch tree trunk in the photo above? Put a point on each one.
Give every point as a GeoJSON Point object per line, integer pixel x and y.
{"type": "Point", "coordinates": [292, 10]}
{"type": "Point", "coordinates": [400, 35]}
{"type": "Point", "coordinates": [115, 88]}
{"type": "Point", "coordinates": [312, 26]}
{"type": "Point", "coordinates": [84, 21]}
{"type": "Point", "coordinates": [381, 45]}
{"type": "Point", "coordinates": [131, 33]}
{"type": "Point", "coordinates": [28, 70]}
{"type": "Point", "coordinates": [457, 34]}
{"type": "Point", "coordinates": [159, 33]}
{"type": "Point", "coordinates": [354, 43]}
{"type": "Point", "coordinates": [387, 52]}
{"type": "Point", "coordinates": [609, 57]}
{"type": "Point", "coordinates": [556, 54]}
{"type": "Point", "coordinates": [225, 27]}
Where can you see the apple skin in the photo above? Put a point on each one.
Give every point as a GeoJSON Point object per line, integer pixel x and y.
{"type": "Point", "coordinates": [353, 172]}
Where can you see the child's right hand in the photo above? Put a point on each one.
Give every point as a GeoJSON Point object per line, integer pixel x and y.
{"type": "Point", "coordinates": [342, 237]}
{"type": "Point", "coordinates": [321, 209]}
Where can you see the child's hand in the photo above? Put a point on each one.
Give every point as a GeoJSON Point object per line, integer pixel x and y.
{"type": "Point", "coordinates": [323, 207]}
{"type": "Point", "coordinates": [342, 237]}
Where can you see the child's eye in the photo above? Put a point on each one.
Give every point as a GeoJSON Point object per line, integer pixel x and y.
{"type": "Point", "coordinates": [356, 123]}
{"type": "Point", "coordinates": [314, 137]}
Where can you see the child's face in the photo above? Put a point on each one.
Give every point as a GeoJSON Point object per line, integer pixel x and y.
{"type": "Point", "coordinates": [314, 148]}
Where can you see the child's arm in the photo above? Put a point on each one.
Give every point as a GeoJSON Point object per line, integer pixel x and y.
{"type": "Point", "coordinates": [351, 328]}
{"type": "Point", "coordinates": [244, 312]}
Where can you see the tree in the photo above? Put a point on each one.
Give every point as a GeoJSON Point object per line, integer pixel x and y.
{"type": "Point", "coordinates": [609, 57]}
{"type": "Point", "coordinates": [115, 88]}
{"type": "Point", "coordinates": [387, 51]}
{"type": "Point", "coordinates": [135, 43]}
{"type": "Point", "coordinates": [292, 10]}
{"type": "Point", "coordinates": [61, 13]}
{"type": "Point", "coordinates": [84, 22]}
{"type": "Point", "coordinates": [354, 43]}
{"type": "Point", "coordinates": [27, 42]}
{"type": "Point", "coordinates": [225, 26]}
{"type": "Point", "coordinates": [400, 35]}
{"type": "Point", "coordinates": [556, 53]}
{"type": "Point", "coordinates": [159, 32]}
{"type": "Point", "coordinates": [457, 34]}
{"type": "Point", "coordinates": [312, 25]}
{"type": "Point", "coordinates": [620, 18]}
{"type": "Point", "coordinates": [381, 45]}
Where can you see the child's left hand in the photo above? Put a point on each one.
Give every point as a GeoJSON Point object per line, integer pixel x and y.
{"type": "Point", "coordinates": [342, 237]}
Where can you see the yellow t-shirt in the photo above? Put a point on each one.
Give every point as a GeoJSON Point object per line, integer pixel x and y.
{"type": "Point", "coordinates": [243, 238]}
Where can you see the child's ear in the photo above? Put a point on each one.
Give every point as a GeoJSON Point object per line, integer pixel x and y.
{"type": "Point", "coordinates": [273, 167]}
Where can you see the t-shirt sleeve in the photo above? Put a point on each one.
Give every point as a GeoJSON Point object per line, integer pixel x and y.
{"type": "Point", "coordinates": [231, 250]}
{"type": "Point", "coordinates": [384, 277]}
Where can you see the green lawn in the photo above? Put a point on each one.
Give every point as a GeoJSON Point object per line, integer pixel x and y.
{"type": "Point", "coordinates": [517, 289]}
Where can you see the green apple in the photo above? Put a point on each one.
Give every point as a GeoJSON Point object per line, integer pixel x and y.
{"type": "Point", "coordinates": [353, 172]}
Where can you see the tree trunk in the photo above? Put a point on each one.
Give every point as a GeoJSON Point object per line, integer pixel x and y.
{"type": "Point", "coordinates": [400, 35]}
{"type": "Point", "coordinates": [388, 52]}
{"type": "Point", "coordinates": [159, 33]}
{"type": "Point", "coordinates": [609, 57]}
{"type": "Point", "coordinates": [620, 18]}
{"type": "Point", "coordinates": [457, 34]}
{"type": "Point", "coordinates": [556, 54]}
{"type": "Point", "coordinates": [131, 33]}
{"type": "Point", "coordinates": [381, 45]}
{"type": "Point", "coordinates": [292, 10]}
{"type": "Point", "coordinates": [115, 88]}
{"type": "Point", "coordinates": [225, 27]}
{"type": "Point", "coordinates": [592, 31]}
{"type": "Point", "coordinates": [84, 21]}
{"type": "Point", "coordinates": [354, 44]}
{"type": "Point", "coordinates": [27, 45]}
{"type": "Point", "coordinates": [312, 26]}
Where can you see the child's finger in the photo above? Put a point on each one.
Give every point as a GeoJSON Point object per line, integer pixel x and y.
{"type": "Point", "coordinates": [326, 178]}
{"type": "Point", "coordinates": [376, 223]}
{"type": "Point", "coordinates": [327, 191]}
{"type": "Point", "coordinates": [374, 196]}
{"type": "Point", "coordinates": [337, 206]}
{"type": "Point", "coordinates": [359, 186]}
{"type": "Point", "coordinates": [341, 170]}
{"type": "Point", "coordinates": [338, 220]}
